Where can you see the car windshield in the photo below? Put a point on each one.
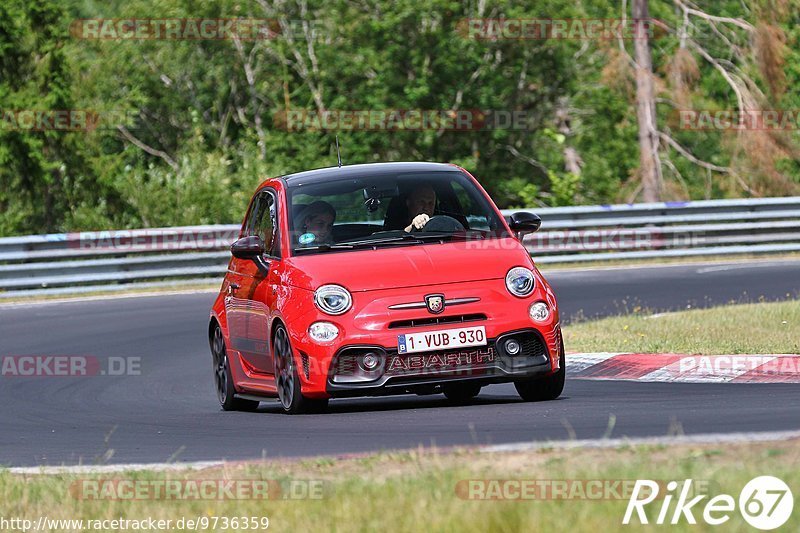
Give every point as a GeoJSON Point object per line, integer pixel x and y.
{"type": "Point", "coordinates": [400, 209]}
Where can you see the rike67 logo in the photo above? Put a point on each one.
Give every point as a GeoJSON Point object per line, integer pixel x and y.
{"type": "Point", "coordinates": [765, 503]}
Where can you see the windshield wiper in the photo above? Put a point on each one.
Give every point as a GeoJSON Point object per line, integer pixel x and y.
{"type": "Point", "coordinates": [324, 248]}
{"type": "Point", "coordinates": [418, 237]}
{"type": "Point", "coordinates": [408, 238]}
{"type": "Point", "coordinates": [442, 236]}
{"type": "Point", "coordinates": [351, 245]}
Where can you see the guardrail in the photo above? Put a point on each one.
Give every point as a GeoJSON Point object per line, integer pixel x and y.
{"type": "Point", "coordinates": [112, 260]}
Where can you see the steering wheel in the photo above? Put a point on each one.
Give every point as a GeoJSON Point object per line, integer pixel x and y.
{"type": "Point", "coordinates": [441, 223]}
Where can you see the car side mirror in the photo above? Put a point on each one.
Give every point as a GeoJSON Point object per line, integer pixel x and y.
{"type": "Point", "coordinates": [524, 222]}
{"type": "Point", "coordinates": [251, 247]}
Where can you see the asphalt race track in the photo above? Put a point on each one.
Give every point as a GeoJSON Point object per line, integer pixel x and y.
{"type": "Point", "coordinates": [170, 412]}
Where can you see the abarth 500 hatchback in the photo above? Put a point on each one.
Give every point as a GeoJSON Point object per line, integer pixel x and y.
{"type": "Point", "coordinates": [376, 279]}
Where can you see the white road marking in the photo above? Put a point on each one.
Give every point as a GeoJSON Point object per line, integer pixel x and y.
{"type": "Point", "coordinates": [110, 296]}
{"type": "Point", "coordinates": [577, 362]}
{"type": "Point", "coordinates": [744, 263]}
{"type": "Point", "coordinates": [702, 438]}
{"type": "Point", "coordinates": [723, 268]}
{"type": "Point", "coordinates": [708, 374]}
{"type": "Point", "coordinates": [110, 469]}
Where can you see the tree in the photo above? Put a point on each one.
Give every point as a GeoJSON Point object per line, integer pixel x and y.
{"type": "Point", "coordinates": [649, 161]}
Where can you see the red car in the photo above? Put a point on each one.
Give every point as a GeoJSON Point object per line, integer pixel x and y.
{"type": "Point", "coordinates": [386, 278]}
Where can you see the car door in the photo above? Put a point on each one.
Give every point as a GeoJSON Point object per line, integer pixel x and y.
{"type": "Point", "coordinates": [235, 303]}
{"type": "Point", "coordinates": [259, 282]}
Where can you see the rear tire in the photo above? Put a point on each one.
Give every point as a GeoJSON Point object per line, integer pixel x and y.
{"type": "Point", "coordinates": [287, 381]}
{"type": "Point", "coordinates": [547, 388]}
{"type": "Point", "coordinates": [461, 392]}
{"type": "Point", "coordinates": [223, 379]}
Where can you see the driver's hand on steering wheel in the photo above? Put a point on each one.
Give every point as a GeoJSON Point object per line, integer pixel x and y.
{"type": "Point", "coordinates": [418, 222]}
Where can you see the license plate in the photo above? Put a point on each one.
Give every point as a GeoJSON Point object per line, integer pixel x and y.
{"type": "Point", "coordinates": [443, 339]}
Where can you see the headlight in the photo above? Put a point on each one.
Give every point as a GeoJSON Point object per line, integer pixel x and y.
{"type": "Point", "coordinates": [323, 332]}
{"type": "Point", "coordinates": [539, 312]}
{"type": "Point", "coordinates": [519, 281]}
{"type": "Point", "coordinates": [333, 299]}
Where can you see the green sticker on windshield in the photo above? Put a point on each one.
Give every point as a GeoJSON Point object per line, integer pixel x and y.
{"type": "Point", "coordinates": [307, 238]}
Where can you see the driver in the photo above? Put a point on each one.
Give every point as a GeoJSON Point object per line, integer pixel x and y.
{"type": "Point", "coordinates": [421, 203]}
{"type": "Point", "coordinates": [315, 223]}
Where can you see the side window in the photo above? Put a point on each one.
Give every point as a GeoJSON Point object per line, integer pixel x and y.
{"type": "Point", "coordinates": [264, 223]}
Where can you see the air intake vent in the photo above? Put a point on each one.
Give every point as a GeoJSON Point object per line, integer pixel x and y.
{"type": "Point", "coordinates": [304, 357]}
{"type": "Point", "coordinates": [436, 320]}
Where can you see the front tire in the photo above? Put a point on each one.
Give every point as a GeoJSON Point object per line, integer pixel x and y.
{"type": "Point", "coordinates": [223, 379]}
{"type": "Point", "coordinates": [287, 380]}
{"type": "Point", "coordinates": [547, 388]}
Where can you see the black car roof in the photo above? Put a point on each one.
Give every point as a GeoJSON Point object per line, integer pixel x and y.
{"type": "Point", "coordinates": [360, 171]}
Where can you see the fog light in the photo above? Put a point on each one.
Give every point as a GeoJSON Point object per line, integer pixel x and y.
{"type": "Point", "coordinates": [539, 312]}
{"type": "Point", "coordinates": [370, 362]}
{"type": "Point", "coordinates": [512, 347]}
{"type": "Point", "coordinates": [323, 332]}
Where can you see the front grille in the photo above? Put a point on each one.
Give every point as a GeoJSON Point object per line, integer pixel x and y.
{"type": "Point", "coordinates": [436, 320]}
{"type": "Point", "coordinates": [532, 346]}
{"type": "Point", "coordinates": [482, 361]}
{"type": "Point", "coordinates": [464, 361]}
{"type": "Point", "coordinates": [346, 365]}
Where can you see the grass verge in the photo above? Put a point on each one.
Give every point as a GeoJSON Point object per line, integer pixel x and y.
{"type": "Point", "coordinates": [768, 328]}
{"type": "Point", "coordinates": [424, 489]}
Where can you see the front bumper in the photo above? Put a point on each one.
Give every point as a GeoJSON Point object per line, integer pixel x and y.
{"type": "Point", "coordinates": [426, 372]}
{"type": "Point", "coordinates": [378, 317]}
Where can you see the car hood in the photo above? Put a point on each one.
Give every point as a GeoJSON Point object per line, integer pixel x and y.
{"type": "Point", "coordinates": [409, 266]}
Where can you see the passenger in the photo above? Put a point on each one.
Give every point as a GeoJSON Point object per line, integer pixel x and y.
{"type": "Point", "coordinates": [421, 203]}
{"type": "Point", "coordinates": [315, 224]}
